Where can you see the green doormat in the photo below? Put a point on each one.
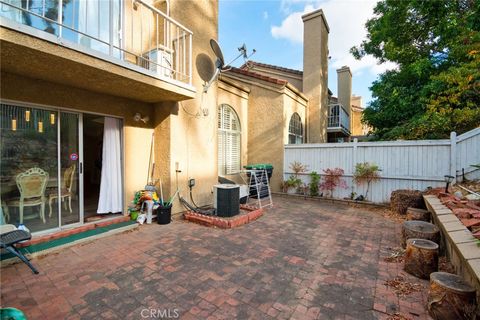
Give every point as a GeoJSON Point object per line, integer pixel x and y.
{"type": "Point", "coordinates": [74, 237]}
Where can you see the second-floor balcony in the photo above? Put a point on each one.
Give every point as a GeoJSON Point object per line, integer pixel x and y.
{"type": "Point", "coordinates": [338, 119]}
{"type": "Point", "coordinates": [132, 34]}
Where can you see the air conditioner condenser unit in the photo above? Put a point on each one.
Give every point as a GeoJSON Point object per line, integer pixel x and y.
{"type": "Point", "coordinates": [226, 199]}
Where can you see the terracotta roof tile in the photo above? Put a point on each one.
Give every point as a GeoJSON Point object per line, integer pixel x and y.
{"type": "Point", "coordinates": [258, 76]}
{"type": "Point", "coordinates": [270, 66]}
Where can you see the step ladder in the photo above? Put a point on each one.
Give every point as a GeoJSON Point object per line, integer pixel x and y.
{"type": "Point", "coordinates": [259, 188]}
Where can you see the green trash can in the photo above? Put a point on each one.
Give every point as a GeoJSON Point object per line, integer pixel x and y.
{"type": "Point", "coordinates": [263, 188]}
{"type": "Point", "coordinates": [261, 166]}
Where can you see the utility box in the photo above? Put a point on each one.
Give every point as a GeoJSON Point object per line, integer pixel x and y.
{"type": "Point", "coordinates": [226, 199]}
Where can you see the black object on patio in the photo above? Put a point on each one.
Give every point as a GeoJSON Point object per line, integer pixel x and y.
{"type": "Point", "coordinates": [8, 241]}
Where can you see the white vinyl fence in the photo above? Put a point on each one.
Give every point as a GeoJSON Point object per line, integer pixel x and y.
{"type": "Point", "coordinates": [415, 164]}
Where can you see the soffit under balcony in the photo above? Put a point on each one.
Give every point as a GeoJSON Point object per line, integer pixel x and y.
{"type": "Point", "coordinates": [39, 59]}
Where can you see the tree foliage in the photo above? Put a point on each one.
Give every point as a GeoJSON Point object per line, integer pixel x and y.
{"type": "Point", "coordinates": [436, 87]}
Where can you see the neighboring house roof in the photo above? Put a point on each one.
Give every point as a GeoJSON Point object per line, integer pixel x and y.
{"type": "Point", "coordinates": [257, 76]}
{"type": "Point", "coordinates": [232, 71]}
{"type": "Point", "coordinates": [332, 99]}
{"type": "Point", "coordinates": [357, 108]}
{"type": "Point", "coordinates": [249, 64]}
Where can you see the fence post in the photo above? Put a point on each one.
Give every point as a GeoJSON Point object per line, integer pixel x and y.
{"type": "Point", "coordinates": [354, 160]}
{"type": "Point", "coordinates": [453, 155]}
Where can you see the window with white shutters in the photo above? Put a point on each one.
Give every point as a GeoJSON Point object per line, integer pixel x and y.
{"type": "Point", "coordinates": [295, 130]}
{"type": "Point", "coordinates": [228, 140]}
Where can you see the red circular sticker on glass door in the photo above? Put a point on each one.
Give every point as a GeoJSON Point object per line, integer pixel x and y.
{"type": "Point", "coordinates": [74, 157]}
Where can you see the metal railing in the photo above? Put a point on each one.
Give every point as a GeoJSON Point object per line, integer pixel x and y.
{"type": "Point", "coordinates": [131, 32]}
{"type": "Point", "coordinates": [338, 117]}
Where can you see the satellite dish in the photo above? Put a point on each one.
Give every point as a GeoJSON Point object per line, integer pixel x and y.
{"type": "Point", "coordinates": [220, 63]}
{"type": "Point", "coordinates": [218, 52]}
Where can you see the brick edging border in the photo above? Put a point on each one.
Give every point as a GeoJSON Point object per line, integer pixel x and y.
{"type": "Point", "coordinates": [224, 223]}
{"type": "Point", "coordinates": [72, 231]}
{"type": "Point", "coordinates": [333, 200]}
{"type": "Point", "coordinates": [461, 247]}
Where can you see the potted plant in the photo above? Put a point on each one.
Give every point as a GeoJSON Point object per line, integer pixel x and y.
{"type": "Point", "coordinates": [332, 179]}
{"type": "Point", "coordinates": [366, 173]}
{"type": "Point", "coordinates": [294, 182]}
{"type": "Point", "coordinates": [291, 185]}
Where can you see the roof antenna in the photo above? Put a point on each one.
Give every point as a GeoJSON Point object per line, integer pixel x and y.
{"type": "Point", "coordinates": [220, 62]}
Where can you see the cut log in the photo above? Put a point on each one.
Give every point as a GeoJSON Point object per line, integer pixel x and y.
{"type": "Point", "coordinates": [421, 258]}
{"type": "Point", "coordinates": [419, 230]}
{"type": "Point", "coordinates": [418, 214]}
{"type": "Point", "coordinates": [450, 297]}
{"type": "Point", "coordinates": [400, 200]}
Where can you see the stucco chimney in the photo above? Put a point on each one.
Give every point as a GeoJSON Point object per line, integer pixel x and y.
{"type": "Point", "coordinates": [315, 74]}
{"type": "Point", "coordinates": [344, 87]}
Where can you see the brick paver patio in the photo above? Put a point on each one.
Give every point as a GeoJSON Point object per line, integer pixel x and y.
{"type": "Point", "coordinates": [301, 260]}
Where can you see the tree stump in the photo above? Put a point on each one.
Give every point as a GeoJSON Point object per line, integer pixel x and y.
{"type": "Point", "coordinates": [400, 200]}
{"type": "Point", "coordinates": [450, 297]}
{"type": "Point", "coordinates": [418, 214]}
{"type": "Point", "coordinates": [419, 230]}
{"type": "Point", "coordinates": [421, 257]}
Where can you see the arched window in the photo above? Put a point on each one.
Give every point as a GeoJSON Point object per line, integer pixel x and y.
{"type": "Point", "coordinates": [228, 140]}
{"type": "Point", "coordinates": [295, 130]}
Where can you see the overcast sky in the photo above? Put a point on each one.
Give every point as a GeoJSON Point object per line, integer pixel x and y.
{"type": "Point", "coordinates": [275, 30]}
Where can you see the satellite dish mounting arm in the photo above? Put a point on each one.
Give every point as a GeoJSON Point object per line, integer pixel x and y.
{"type": "Point", "coordinates": [214, 77]}
{"type": "Point", "coordinates": [220, 62]}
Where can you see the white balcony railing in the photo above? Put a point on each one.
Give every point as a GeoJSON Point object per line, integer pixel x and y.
{"type": "Point", "coordinates": [132, 33]}
{"type": "Point", "coordinates": [338, 119]}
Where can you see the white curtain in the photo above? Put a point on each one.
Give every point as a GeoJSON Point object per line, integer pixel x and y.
{"type": "Point", "coordinates": [110, 199]}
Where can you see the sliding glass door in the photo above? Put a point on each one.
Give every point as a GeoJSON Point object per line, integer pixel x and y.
{"type": "Point", "coordinates": [39, 167]}
{"type": "Point", "coordinates": [69, 204]}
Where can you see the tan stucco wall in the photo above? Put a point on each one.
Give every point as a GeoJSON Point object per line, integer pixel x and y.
{"type": "Point", "coordinates": [266, 131]}
{"type": "Point", "coordinates": [136, 134]}
{"type": "Point", "coordinates": [344, 87]}
{"type": "Point", "coordinates": [141, 31]}
{"type": "Point", "coordinates": [185, 134]}
{"type": "Point", "coordinates": [315, 74]}
{"type": "Point", "coordinates": [358, 128]}
{"type": "Point", "coordinates": [236, 97]}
